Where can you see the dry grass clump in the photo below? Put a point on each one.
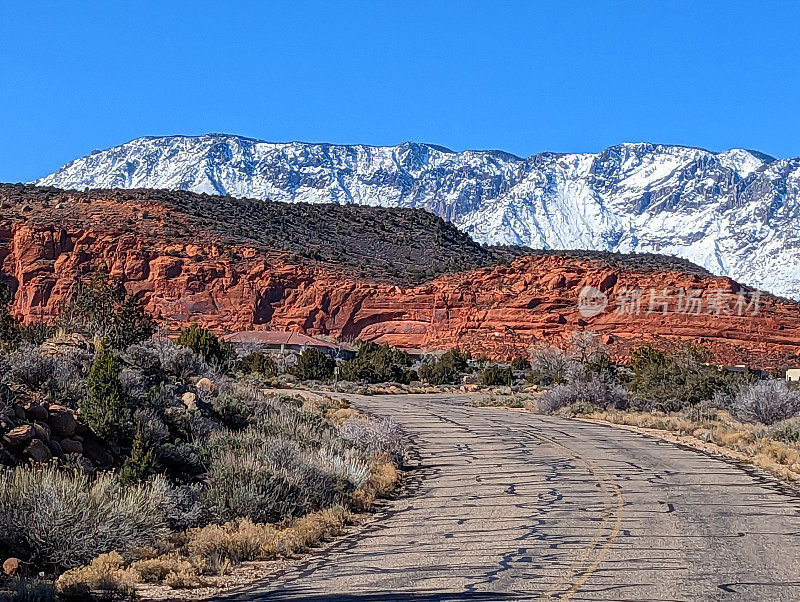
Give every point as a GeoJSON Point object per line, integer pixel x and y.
{"type": "Point", "coordinates": [244, 540]}
{"type": "Point", "coordinates": [383, 478]}
{"type": "Point", "coordinates": [105, 575]}
{"type": "Point", "coordinates": [773, 448]}
{"type": "Point", "coordinates": [170, 569]}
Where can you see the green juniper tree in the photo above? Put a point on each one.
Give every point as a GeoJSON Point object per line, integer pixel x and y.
{"type": "Point", "coordinates": [104, 406]}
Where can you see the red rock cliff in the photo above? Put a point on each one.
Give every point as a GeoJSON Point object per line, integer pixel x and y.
{"type": "Point", "coordinates": [498, 311]}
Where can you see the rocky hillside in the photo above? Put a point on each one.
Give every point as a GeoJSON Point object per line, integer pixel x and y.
{"type": "Point", "coordinates": [189, 267]}
{"type": "Point", "coordinates": [734, 213]}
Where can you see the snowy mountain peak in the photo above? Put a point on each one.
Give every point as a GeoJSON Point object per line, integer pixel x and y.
{"type": "Point", "coordinates": [735, 212]}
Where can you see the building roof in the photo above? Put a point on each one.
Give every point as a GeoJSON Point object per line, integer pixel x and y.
{"type": "Point", "coordinates": [279, 337]}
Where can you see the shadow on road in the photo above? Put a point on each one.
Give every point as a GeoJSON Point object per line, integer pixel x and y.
{"type": "Point", "coordinates": [296, 595]}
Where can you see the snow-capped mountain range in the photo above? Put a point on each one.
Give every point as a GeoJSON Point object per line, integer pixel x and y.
{"type": "Point", "coordinates": [736, 213]}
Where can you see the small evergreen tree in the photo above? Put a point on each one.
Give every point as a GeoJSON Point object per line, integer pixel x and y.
{"type": "Point", "coordinates": [140, 465]}
{"type": "Point", "coordinates": [102, 308]}
{"type": "Point", "coordinates": [257, 363]}
{"type": "Point", "coordinates": [104, 406]}
{"type": "Point", "coordinates": [376, 363]}
{"type": "Point", "coordinates": [313, 364]}
{"type": "Point", "coordinates": [205, 344]}
{"type": "Point", "coordinates": [494, 375]}
{"type": "Point", "coordinates": [8, 324]}
{"type": "Point", "coordinates": [520, 363]}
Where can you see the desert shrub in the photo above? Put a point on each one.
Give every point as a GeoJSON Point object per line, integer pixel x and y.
{"type": "Point", "coordinates": [180, 504]}
{"type": "Point", "coordinates": [551, 365]}
{"type": "Point", "coordinates": [101, 308]}
{"type": "Point", "coordinates": [767, 401]}
{"type": "Point", "coordinates": [150, 426]}
{"type": "Point", "coordinates": [243, 486]}
{"type": "Point", "coordinates": [520, 363]}
{"type": "Point", "coordinates": [375, 437]}
{"type": "Point", "coordinates": [104, 407]}
{"type": "Point", "coordinates": [162, 354]}
{"type": "Point", "coordinates": [64, 519]}
{"type": "Point", "coordinates": [594, 391]}
{"type": "Point", "coordinates": [234, 408]}
{"type": "Point", "coordinates": [26, 366]}
{"type": "Point", "coordinates": [30, 590]}
{"type": "Point", "coordinates": [378, 364]}
{"type": "Point", "coordinates": [600, 363]}
{"type": "Point", "coordinates": [313, 364]}
{"type": "Point", "coordinates": [67, 385]}
{"type": "Point", "coordinates": [182, 461]}
{"type": "Point", "coordinates": [258, 363]}
{"type": "Point", "coordinates": [437, 373]}
{"type": "Point", "coordinates": [787, 431]}
{"type": "Point", "coordinates": [495, 375]}
{"type": "Point", "coordinates": [205, 344]}
{"type": "Point", "coordinates": [584, 345]}
{"type": "Point", "coordinates": [144, 357]}
{"type": "Point", "coordinates": [34, 334]}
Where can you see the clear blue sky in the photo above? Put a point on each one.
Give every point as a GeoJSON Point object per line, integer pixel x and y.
{"type": "Point", "coordinates": [519, 76]}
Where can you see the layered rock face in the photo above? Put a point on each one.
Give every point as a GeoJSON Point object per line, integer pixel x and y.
{"type": "Point", "coordinates": [499, 311]}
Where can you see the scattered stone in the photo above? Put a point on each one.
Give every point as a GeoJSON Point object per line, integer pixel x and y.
{"type": "Point", "coordinates": [38, 451]}
{"type": "Point", "coordinates": [42, 431]}
{"type": "Point", "coordinates": [13, 567]}
{"type": "Point", "coordinates": [61, 421]}
{"type": "Point", "coordinates": [93, 450]}
{"type": "Point", "coordinates": [55, 447]}
{"type": "Point", "coordinates": [70, 446]}
{"type": "Point", "coordinates": [206, 385]}
{"type": "Point", "coordinates": [19, 412]}
{"type": "Point", "coordinates": [189, 399]}
{"type": "Point", "coordinates": [35, 411]}
{"type": "Point", "coordinates": [6, 459]}
{"type": "Point", "coordinates": [19, 436]}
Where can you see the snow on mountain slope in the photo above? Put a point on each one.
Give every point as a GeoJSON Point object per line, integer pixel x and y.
{"type": "Point", "coordinates": [736, 213]}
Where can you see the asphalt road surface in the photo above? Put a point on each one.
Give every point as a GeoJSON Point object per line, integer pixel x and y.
{"type": "Point", "coordinates": [515, 506]}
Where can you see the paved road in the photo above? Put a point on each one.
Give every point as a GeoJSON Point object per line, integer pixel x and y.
{"type": "Point", "coordinates": [515, 506]}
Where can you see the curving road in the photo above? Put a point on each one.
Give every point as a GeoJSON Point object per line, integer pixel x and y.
{"type": "Point", "coordinates": [516, 506]}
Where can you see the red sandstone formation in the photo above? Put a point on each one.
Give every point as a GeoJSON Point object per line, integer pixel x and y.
{"type": "Point", "coordinates": [499, 311]}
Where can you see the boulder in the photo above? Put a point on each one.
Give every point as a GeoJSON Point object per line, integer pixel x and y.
{"type": "Point", "coordinates": [55, 447]}
{"type": "Point", "coordinates": [189, 399]}
{"type": "Point", "coordinates": [70, 446]}
{"type": "Point", "coordinates": [42, 431]}
{"type": "Point", "coordinates": [205, 385]}
{"type": "Point", "coordinates": [6, 459]}
{"type": "Point", "coordinates": [38, 451]}
{"type": "Point", "coordinates": [35, 411]}
{"type": "Point", "coordinates": [19, 412]}
{"type": "Point", "coordinates": [13, 567]}
{"type": "Point", "coordinates": [97, 453]}
{"type": "Point", "coordinates": [61, 421]}
{"type": "Point", "coordinates": [19, 436]}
